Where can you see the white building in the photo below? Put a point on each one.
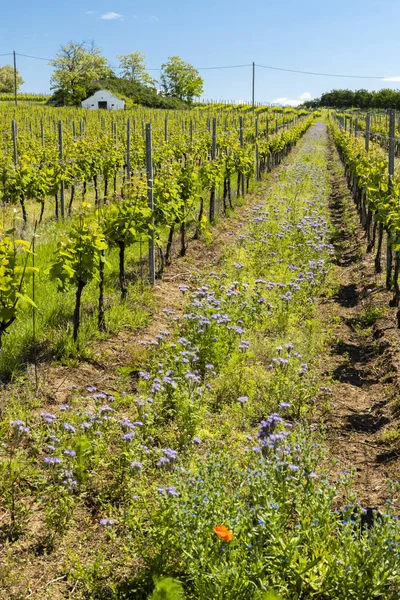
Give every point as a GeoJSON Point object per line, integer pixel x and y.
{"type": "Point", "coordinates": [103, 99]}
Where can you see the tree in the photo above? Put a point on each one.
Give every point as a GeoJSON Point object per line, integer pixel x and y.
{"type": "Point", "coordinates": [76, 67]}
{"type": "Point", "coordinates": [7, 79]}
{"type": "Point", "coordinates": [133, 67]}
{"type": "Point", "coordinates": [181, 79]}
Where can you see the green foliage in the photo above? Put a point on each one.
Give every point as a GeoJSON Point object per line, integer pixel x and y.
{"type": "Point", "coordinates": [78, 253]}
{"type": "Point", "coordinates": [76, 67]}
{"type": "Point", "coordinates": [133, 68]}
{"type": "Point", "coordinates": [181, 79]}
{"type": "Point", "coordinates": [7, 79]}
{"type": "Point", "coordinates": [167, 589]}
{"type": "Point", "coordinates": [365, 99]}
{"type": "Point", "coordinates": [13, 278]}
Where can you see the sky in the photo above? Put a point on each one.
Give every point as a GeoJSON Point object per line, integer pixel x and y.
{"type": "Point", "coordinates": [351, 37]}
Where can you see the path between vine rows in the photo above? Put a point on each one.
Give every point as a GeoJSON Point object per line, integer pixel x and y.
{"type": "Point", "coordinates": [118, 351]}
{"type": "Point", "coordinates": [362, 362]}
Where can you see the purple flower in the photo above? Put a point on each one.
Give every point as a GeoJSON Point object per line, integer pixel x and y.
{"type": "Point", "coordinates": [127, 436]}
{"type": "Point", "coordinates": [52, 460]}
{"type": "Point", "coordinates": [91, 388]}
{"type": "Point", "coordinates": [48, 417]}
{"type": "Point", "coordinates": [242, 399]}
{"type": "Point", "coordinates": [196, 440]}
{"type": "Point", "coordinates": [144, 375]}
{"type": "Point", "coordinates": [284, 405]}
{"type": "Point", "coordinates": [105, 522]}
{"type": "Point", "coordinates": [69, 427]}
{"type": "Point", "coordinates": [172, 491]}
{"type": "Point", "coordinates": [136, 464]}
{"type": "Point", "coordinates": [69, 452]}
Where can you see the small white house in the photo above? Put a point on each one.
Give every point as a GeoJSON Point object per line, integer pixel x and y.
{"type": "Point", "coordinates": [103, 99]}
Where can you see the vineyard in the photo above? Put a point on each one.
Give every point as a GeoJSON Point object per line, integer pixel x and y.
{"type": "Point", "coordinates": [78, 190]}
{"type": "Point", "coordinates": [199, 354]}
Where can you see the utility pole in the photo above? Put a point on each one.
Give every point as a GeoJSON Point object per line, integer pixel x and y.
{"type": "Point", "coordinates": [15, 78]}
{"type": "Point", "coordinates": [253, 85]}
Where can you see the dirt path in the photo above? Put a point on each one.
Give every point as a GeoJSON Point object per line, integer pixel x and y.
{"type": "Point", "coordinates": [363, 429]}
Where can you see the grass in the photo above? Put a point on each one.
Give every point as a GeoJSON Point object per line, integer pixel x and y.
{"type": "Point", "coordinates": [209, 427]}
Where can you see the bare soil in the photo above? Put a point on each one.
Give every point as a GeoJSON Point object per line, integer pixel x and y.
{"type": "Point", "coordinates": [364, 359]}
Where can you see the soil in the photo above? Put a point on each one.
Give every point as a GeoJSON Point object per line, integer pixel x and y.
{"type": "Point", "coordinates": [363, 361]}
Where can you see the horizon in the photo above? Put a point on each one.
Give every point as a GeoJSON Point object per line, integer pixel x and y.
{"type": "Point", "coordinates": [211, 36]}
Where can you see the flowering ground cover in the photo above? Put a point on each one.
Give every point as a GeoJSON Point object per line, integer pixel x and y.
{"type": "Point", "coordinates": [213, 472]}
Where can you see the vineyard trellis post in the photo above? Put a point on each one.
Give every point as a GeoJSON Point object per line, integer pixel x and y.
{"type": "Point", "coordinates": [392, 142]}
{"type": "Point", "coordinates": [128, 150]}
{"type": "Point", "coordinates": [14, 137]}
{"type": "Point", "coordinates": [150, 196]}
{"type": "Point", "coordinates": [367, 131]}
{"type": "Point", "coordinates": [213, 157]}
{"type": "Point", "coordinates": [257, 154]}
{"type": "Point", "coordinates": [61, 154]}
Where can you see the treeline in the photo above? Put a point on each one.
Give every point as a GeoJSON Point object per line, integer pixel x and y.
{"type": "Point", "coordinates": [385, 98]}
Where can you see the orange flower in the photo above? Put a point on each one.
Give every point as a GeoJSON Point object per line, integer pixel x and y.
{"type": "Point", "coordinates": [223, 532]}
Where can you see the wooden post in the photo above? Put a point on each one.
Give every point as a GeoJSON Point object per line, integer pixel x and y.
{"type": "Point", "coordinates": [61, 153]}
{"type": "Point", "coordinates": [128, 150]}
{"type": "Point", "coordinates": [213, 157]}
{"type": "Point", "coordinates": [367, 131]}
{"type": "Point", "coordinates": [253, 86]}
{"type": "Point", "coordinates": [14, 137]}
{"type": "Point", "coordinates": [15, 79]}
{"type": "Point", "coordinates": [392, 144]}
{"type": "Point", "coordinates": [150, 197]}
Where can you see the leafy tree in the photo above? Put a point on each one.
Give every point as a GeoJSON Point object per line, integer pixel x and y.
{"type": "Point", "coordinates": [181, 79]}
{"type": "Point", "coordinates": [7, 79]}
{"type": "Point", "coordinates": [133, 68]}
{"type": "Point", "coordinates": [76, 67]}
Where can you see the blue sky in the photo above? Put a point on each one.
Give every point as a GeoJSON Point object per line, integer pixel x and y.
{"type": "Point", "coordinates": [356, 37]}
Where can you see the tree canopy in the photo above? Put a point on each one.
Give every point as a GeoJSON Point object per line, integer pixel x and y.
{"type": "Point", "coordinates": [181, 79]}
{"type": "Point", "coordinates": [364, 99]}
{"type": "Point", "coordinates": [7, 79]}
{"type": "Point", "coordinates": [76, 67]}
{"type": "Point", "coordinates": [133, 68]}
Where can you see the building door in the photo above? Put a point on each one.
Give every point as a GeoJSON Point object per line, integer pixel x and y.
{"type": "Point", "coordinates": [103, 104]}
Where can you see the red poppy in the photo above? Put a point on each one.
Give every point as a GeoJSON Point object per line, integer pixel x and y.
{"type": "Point", "coordinates": [223, 532]}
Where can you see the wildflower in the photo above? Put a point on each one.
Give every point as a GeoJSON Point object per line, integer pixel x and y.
{"type": "Point", "coordinates": [104, 522]}
{"type": "Point", "coordinates": [136, 464]}
{"type": "Point", "coordinates": [69, 427]}
{"type": "Point", "coordinates": [48, 417]}
{"type": "Point", "coordinates": [52, 460]}
{"type": "Point", "coordinates": [242, 399]}
{"type": "Point", "coordinates": [127, 436]}
{"type": "Point", "coordinates": [69, 452]}
{"type": "Point", "coordinates": [196, 440]}
{"type": "Point", "coordinates": [223, 532]}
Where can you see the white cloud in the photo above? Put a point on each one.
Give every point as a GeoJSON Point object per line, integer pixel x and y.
{"type": "Point", "coordinates": [110, 16]}
{"type": "Point", "coordinates": [293, 101]}
{"type": "Point", "coordinates": [305, 96]}
{"type": "Point", "coordinates": [153, 18]}
{"type": "Point", "coordinates": [396, 78]}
